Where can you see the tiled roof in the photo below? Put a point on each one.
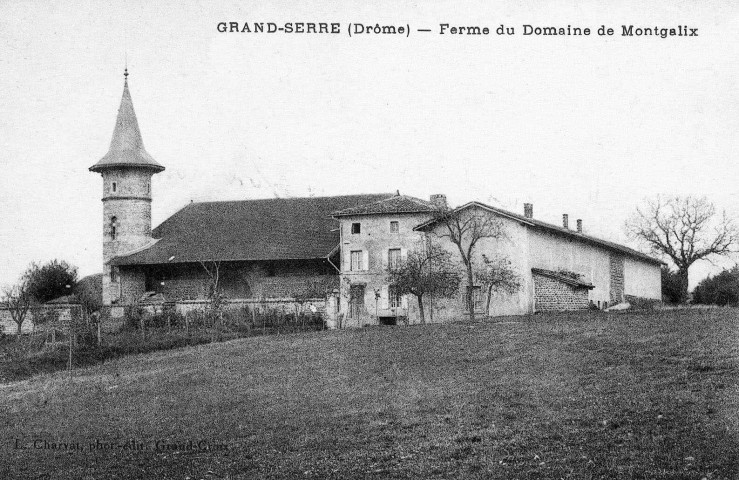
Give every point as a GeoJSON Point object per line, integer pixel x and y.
{"type": "Point", "coordinates": [268, 229]}
{"type": "Point", "coordinates": [127, 146]}
{"type": "Point", "coordinates": [394, 204]}
{"type": "Point", "coordinates": [556, 230]}
{"type": "Point", "coordinates": [563, 278]}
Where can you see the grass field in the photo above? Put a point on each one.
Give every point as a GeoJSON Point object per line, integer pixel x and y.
{"type": "Point", "coordinates": [643, 395]}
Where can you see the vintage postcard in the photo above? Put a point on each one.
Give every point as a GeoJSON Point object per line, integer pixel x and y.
{"type": "Point", "coordinates": [369, 240]}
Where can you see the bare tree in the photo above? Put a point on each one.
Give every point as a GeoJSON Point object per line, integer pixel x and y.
{"type": "Point", "coordinates": [497, 275]}
{"type": "Point", "coordinates": [215, 295]}
{"type": "Point", "coordinates": [465, 227]}
{"type": "Point", "coordinates": [19, 302]}
{"type": "Point", "coordinates": [427, 270]}
{"type": "Point", "coordinates": [685, 230]}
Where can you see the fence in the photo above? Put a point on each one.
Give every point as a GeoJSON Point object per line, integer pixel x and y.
{"type": "Point", "coordinates": [66, 341]}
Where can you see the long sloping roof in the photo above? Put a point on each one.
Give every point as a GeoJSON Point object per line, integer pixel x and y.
{"type": "Point", "coordinates": [553, 229]}
{"type": "Point", "coordinates": [395, 204]}
{"type": "Point", "coordinates": [126, 146]}
{"type": "Point", "coordinates": [267, 229]}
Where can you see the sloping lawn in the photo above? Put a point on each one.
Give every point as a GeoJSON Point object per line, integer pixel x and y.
{"type": "Point", "coordinates": [644, 395]}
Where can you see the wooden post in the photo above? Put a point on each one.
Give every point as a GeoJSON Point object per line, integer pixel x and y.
{"type": "Point", "coordinates": [100, 337]}
{"type": "Point", "coordinates": [253, 317]}
{"type": "Point", "coordinates": [70, 349]}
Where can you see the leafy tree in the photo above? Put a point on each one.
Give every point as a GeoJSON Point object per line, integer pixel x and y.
{"type": "Point", "coordinates": [497, 275]}
{"type": "Point", "coordinates": [465, 227]}
{"type": "Point", "coordinates": [50, 280]}
{"type": "Point", "coordinates": [89, 293]}
{"type": "Point", "coordinates": [722, 289]}
{"type": "Point", "coordinates": [428, 269]}
{"type": "Point", "coordinates": [671, 285]}
{"type": "Point", "coordinates": [684, 230]}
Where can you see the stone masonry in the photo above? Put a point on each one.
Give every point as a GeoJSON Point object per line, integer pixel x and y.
{"type": "Point", "coordinates": [552, 295]}
{"type": "Point", "coordinates": [617, 279]}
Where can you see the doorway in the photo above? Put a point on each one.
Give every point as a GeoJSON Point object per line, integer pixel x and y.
{"type": "Point", "coordinates": [356, 301]}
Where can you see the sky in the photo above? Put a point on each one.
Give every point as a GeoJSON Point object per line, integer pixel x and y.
{"type": "Point", "coordinates": [589, 126]}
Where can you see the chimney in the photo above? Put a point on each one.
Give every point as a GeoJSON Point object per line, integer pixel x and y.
{"type": "Point", "coordinates": [439, 200]}
{"type": "Point", "coordinates": [579, 225]}
{"type": "Point", "coordinates": [565, 220]}
{"type": "Point", "coordinates": [528, 210]}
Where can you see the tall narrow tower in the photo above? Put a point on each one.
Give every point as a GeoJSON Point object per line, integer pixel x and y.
{"type": "Point", "coordinates": [126, 170]}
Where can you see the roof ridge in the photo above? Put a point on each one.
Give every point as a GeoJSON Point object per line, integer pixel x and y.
{"type": "Point", "coordinates": [288, 198]}
{"type": "Point", "coordinates": [536, 222]}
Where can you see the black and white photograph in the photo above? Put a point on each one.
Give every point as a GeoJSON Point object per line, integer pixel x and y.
{"type": "Point", "coordinates": [383, 240]}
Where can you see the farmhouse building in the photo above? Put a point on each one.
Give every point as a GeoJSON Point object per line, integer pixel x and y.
{"type": "Point", "coordinates": [334, 251]}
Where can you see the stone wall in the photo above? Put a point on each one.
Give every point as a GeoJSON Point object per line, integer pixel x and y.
{"type": "Point", "coordinates": [617, 279]}
{"type": "Point", "coordinates": [552, 295]}
{"type": "Point", "coordinates": [238, 280]}
{"type": "Point", "coordinates": [8, 326]}
{"type": "Point", "coordinates": [130, 204]}
{"type": "Point", "coordinates": [374, 241]}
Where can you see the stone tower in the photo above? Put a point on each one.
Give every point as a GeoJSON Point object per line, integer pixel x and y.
{"type": "Point", "coordinates": [126, 170]}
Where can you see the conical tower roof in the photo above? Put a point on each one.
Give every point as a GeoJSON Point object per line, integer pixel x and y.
{"type": "Point", "coordinates": [126, 147]}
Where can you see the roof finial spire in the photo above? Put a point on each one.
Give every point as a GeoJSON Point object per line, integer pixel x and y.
{"type": "Point", "coordinates": [125, 70]}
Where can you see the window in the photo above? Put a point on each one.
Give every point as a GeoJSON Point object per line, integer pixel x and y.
{"type": "Point", "coordinates": [148, 188]}
{"type": "Point", "coordinates": [394, 228]}
{"type": "Point", "coordinates": [113, 227]}
{"type": "Point", "coordinates": [476, 298]}
{"type": "Point", "coordinates": [113, 274]}
{"type": "Point", "coordinates": [395, 299]}
{"type": "Point", "coordinates": [356, 260]}
{"type": "Point", "coordinates": [355, 228]}
{"type": "Point", "coordinates": [114, 186]}
{"type": "Point", "coordinates": [393, 258]}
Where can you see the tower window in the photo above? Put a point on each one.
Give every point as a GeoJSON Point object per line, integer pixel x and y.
{"type": "Point", "coordinates": [114, 187]}
{"type": "Point", "coordinates": [394, 227]}
{"type": "Point", "coordinates": [356, 228]}
{"type": "Point", "coordinates": [148, 188]}
{"type": "Point", "coordinates": [113, 227]}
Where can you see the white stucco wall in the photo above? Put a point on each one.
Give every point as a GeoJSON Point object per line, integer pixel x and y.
{"type": "Point", "coordinates": [558, 252]}
{"type": "Point", "coordinates": [642, 279]}
{"type": "Point", "coordinates": [515, 247]}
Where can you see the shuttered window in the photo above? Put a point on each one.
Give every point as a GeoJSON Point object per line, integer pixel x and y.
{"type": "Point", "coordinates": [357, 261]}
{"type": "Point", "coordinates": [393, 258]}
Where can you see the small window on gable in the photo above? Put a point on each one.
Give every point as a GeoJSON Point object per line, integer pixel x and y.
{"type": "Point", "coordinates": [394, 228]}
{"type": "Point", "coordinates": [114, 187]}
{"type": "Point", "coordinates": [356, 228]}
{"type": "Point", "coordinates": [113, 227]}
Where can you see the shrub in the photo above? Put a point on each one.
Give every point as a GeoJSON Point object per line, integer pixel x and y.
{"type": "Point", "coordinates": [169, 317]}
{"type": "Point", "coordinates": [132, 317]}
{"type": "Point", "coordinates": [723, 289]}
{"type": "Point", "coordinates": [639, 303]}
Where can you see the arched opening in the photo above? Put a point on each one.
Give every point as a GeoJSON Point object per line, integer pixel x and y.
{"type": "Point", "coordinates": [113, 227]}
